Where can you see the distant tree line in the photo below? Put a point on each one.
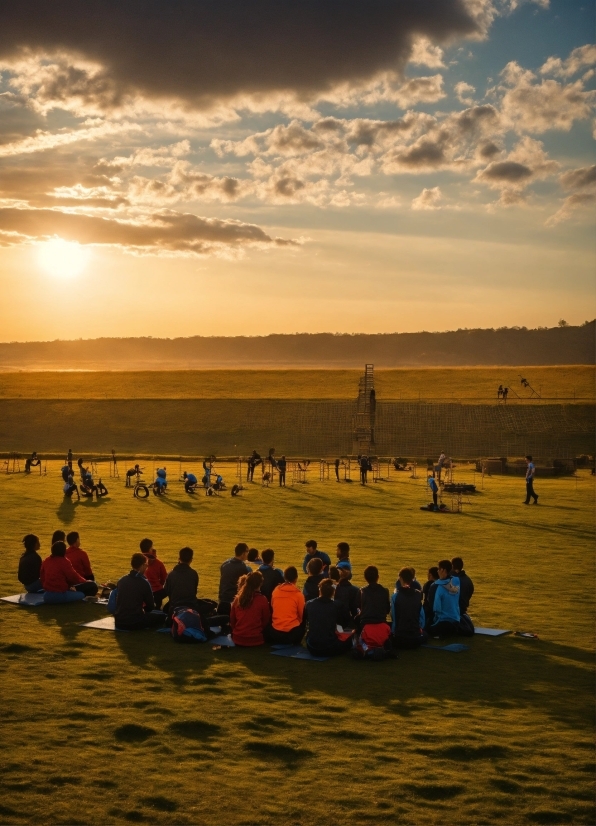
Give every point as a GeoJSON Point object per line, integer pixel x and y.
{"type": "Point", "coordinates": [564, 344]}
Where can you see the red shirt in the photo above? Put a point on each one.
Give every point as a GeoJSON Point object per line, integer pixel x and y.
{"type": "Point", "coordinates": [248, 623]}
{"type": "Point", "coordinates": [57, 574]}
{"type": "Point", "coordinates": [80, 561]}
{"type": "Point", "coordinates": [156, 572]}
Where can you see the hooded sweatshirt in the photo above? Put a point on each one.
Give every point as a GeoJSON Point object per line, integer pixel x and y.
{"type": "Point", "coordinates": [287, 607]}
{"type": "Point", "coordinates": [248, 623]}
{"type": "Point", "coordinates": [57, 574]}
{"type": "Point", "coordinates": [156, 573]}
{"type": "Point", "coordinates": [406, 612]}
{"type": "Point", "coordinates": [79, 560]}
{"type": "Point", "coordinates": [446, 601]}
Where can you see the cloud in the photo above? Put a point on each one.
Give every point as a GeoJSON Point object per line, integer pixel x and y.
{"type": "Point", "coordinates": [42, 141]}
{"type": "Point", "coordinates": [425, 54]}
{"type": "Point", "coordinates": [428, 199]}
{"type": "Point", "coordinates": [582, 178]}
{"type": "Point", "coordinates": [464, 92]}
{"type": "Point", "coordinates": [577, 60]}
{"type": "Point", "coordinates": [526, 163]}
{"type": "Point", "coordinates": [582, 183]}
{"type": "Point", "coordinates": [165, 232]}
{"type": "Point", "coordinates": [148, 156]}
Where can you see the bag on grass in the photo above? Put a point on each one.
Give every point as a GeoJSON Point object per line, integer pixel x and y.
{"type": "Point", "coordinates": [187, 626]}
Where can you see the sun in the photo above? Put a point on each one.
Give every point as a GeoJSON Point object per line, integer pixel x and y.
{"type": "Point", "coordinates": [62, 259]}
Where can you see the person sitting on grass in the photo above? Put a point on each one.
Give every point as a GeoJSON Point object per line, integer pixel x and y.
{"type": "Point", "coordinates": [253, 557]}
{"type": "Point", "coordinates": [374, 599]}
{"type": "Point", "coordinates": [406, 613]}
{"type": "Point", "coordinates": [156, 573]}
{"type": "Point", "coordinates": [60, 581]}
{"type": "Point", "coordinates": [349, 596]}
{"type": "Point", "coordinates": [427, 605]}
{"type": "Point", "coordinates": [444, 595]}
{"type": "Point", "coordinates": [250, 613]}
{"type": "Point", "coordinates": [230, 572]}
{"type": "Point", "coordinates": [313, 553]}
{"type": "Point", "coordinates": [182, 583]}
{"type": "Point", "coordinates": [78, 558]}
{"type": "Point", "coordinates": [323, 616]}
{"type": "Point", "coordinates": [334, 573]}
{"type": "Point", "coordinates": [315, 576]}
{"type": "Point", "coordinates": [161, 482]}
{"type": "Point", "coordinates": [287, 611]}
{"type": "Point", "coordinates": [466, 586]}
{"type": "Point", "coordinates": [272, 577]}
{"type": "Point", "coordinates": [415, 584]}
{"type": "Point", "coordinates": [134, 599]}
{"type": "Point", "coordinates": [343, 557]}
{"type": "Point", "coordinates": [69, 487]}
{"type": "Point", "coordinates": [190, 482]}
{"type": "Point", "coordinates": [30, 565]}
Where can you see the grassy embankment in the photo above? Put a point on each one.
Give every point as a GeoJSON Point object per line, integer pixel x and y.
{"type": "Point", "coordinates": [105, 728]}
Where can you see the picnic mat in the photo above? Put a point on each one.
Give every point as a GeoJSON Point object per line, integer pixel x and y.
{"type": "Point", "coordinates": [454, 647]}
{"type": "Point", "coordinates": [296, 652]}
{"type": "Point", "coordinates": [32, 600]}
{"type": "Point", "coordinates": [491, 632]}
{"type": "Point", "coordinates": [103, 624]}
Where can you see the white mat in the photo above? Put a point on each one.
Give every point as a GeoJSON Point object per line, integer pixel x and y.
{"type": "Point", "coordinates": [103, 624]}
{"type": "Point", "coordinates": [32, 600]}
{"type": "Point", "coordinates": [490, 632]}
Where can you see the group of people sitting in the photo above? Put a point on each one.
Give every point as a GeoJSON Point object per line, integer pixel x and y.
{"type": "Point", "coordinates": [260, 603]}
{"type": "Point", "coordinates": [87, 486]}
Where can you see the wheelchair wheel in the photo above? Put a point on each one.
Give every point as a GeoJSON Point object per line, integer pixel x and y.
{"type": "Point", "coordinates": [141, 492]}
{"type": "Point", "coordinates": [235, 490]}
{"type": "Point", "coordinates": [209, 492]}
{"type": "Point", "coordinates": [102, 490]}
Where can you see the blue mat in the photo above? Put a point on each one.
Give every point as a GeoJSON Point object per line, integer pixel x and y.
{"type": "Point", "coordinates": [225, 642]}
{"type": "Point", "coordinates": [454, 647]}
{"type": "Point", "coordinates": [296, 652]}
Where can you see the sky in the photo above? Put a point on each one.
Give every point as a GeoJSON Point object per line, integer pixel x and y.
{"type": "Point", "coordinates": [244, 167]}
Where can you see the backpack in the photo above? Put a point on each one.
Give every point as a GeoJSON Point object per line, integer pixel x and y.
{"type": "Point", "coordinates": [187, 626]}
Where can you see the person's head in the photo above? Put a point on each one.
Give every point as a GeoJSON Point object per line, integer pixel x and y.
{"type": "Point", "coordinates": [73, 539]}
{"type": "Point", "coordinates": [185, 556]}
{"type": "Point", "coordinates": [343, 550]}
{"type": "Point", "coordinates": [444, 567]}
{"type": "Point", "coordinates": [184, 475]}
{"type": "Point", "coordinates": [58, 536]}
{"type": "Point", "coordinates": [315, 566]}
{"type": "Point", "coordinates": [433, 574]}
{"type": "Point", "coordinates": [405, 577]}
{"type": "Point", "coordinates": [371, 574]}
{"type": "Point", "coordinates": [311, 546]}
{"type": "Point", "coordinates": [291, 575]}
{"type": "Point", "coordinates": [138, 562]}
{"type": "Point", "coordinates": [326, 588]}
{"type": "Point", "coordinates": [344, 573]}
{"type": "Point", "coordinates": [284, 458]}
{"type": "Point", "coordinates": [252, 555]}
{"type": "Point", "coordinates": [31, 543]}
{"type": "Point", "coordinates": [528, 458]}
{"type": "Point", "coordinates": [247, 586]}
{"type": "Point", "coordinates": [146, 546]}
{"type": "Point", "coordinates": [457, 564]}
{"type": "Point", "coordinates": [267, 556]}
{"type": "Point", "coordinates": [334, 573]}
{"type": "Point", "coordinates": [413, 572]}
{"type": "Point", "coordinates": [241, 550]}
{"type": "Point", "coordinates": [58, 548]}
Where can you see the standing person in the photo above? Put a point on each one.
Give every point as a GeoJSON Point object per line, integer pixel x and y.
{"type": "Point", "coordinates": [30, 565]}
{"type": "Point", "coordinates": [207, 467]}
{"type": "Point", "coordinates": [272, 577]}
{"type": "Point", "coordinates": [69, 458]}
{"type": "Point", "coordinates": [78, 558]}
{"type": "Point", "coordinates": [250, 613]}
{"type": "Point", "coordinates": [253, 460]}
{"type": "Point", "coordinates": [365, 466]}
{"type": "Point", "coordinates": [287, 612]}
{"type": "Point", "coordinates": [407, 616]}
{"type": "Point", "coordinates": [134, 599]}
{"type": "Point", "coordinates": [434, 489]}
{"type": "Point", "coordinates": [336, 463]}
{"type": "Point", "coordinates": [313, 553]}
{"type": "Point", "coordinates": [60, 581]}
{"type": "Point", "coordinates": [230, 572]}
{"type": "Point", "coordinates": [281, 467]}
{"type": "Point", "coordinates": [155, 573]}
{"type": "Point", "coordinates": [530, 473]}
{"type": "Point", "coordinates": [439, 466]}
{"type": "Point", "coordinates": [466, 586]}
{"type": "Point", "coordinates": [323, 615]}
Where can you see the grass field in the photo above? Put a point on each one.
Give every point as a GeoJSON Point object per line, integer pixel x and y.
{"type": "Point", "coordinates": [473, 384]}
{"type": "Point", "coordinates": [119, 728]}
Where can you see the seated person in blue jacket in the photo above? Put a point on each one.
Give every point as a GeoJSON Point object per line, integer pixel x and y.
{"type": "Point", "coordinates": [444, 598]}
{"type": "Point", "coordinates": [323, 616]}
{"type": "Point", "coordinates": [134, 599]}
{"type": "Point", "coordinates": [313, 553]}
{"type": "Point", "coordinates": [407, 616]}
{"type": "Point", "coordinates": [190, 482]}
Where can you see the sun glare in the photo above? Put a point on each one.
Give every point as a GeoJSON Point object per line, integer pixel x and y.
{"type": "Point", "coordinates": [62, 259]}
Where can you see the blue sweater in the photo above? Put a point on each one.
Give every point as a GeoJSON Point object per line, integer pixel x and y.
{"type": "Point", "coordinates": [446, 601]}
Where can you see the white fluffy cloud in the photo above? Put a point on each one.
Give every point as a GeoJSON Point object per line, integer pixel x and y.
{"type": "Point", "coordinates": [428, 199]}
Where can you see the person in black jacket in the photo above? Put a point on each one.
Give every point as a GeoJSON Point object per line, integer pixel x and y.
{"type": "Point", "coordinates": [272, 577]}
{"type": "Point", "coordinates": [322, 616]}
{"type": "Point", "coordinates": [375, 599]}
{"type": "Point", "coordinates": [182, 583]}
{"type": "Point", "coordinates": [134, 599]}
{"type": "Point", "coordinates": [315, 576]}
{"type": "Point", "coordinates": [30, 565]}
{"type": "Point", "coordinates": [230, 572]}
{"type": "Point", "coordinates": [406, 612]}
{"type": "Point", "coordinates": [427, 605]}
{"type": "Point", "coordinates": [466, 586]}
{"type": "Point", "coordinates": [281, 466]}
{"type": "Point", "coordinates": [349, 596]}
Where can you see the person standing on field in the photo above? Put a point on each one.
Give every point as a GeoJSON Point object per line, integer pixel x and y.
{"type": "Point", "coordinates": [530, 473]}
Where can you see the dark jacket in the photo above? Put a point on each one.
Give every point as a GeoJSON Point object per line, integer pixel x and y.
{"type": "Point", "coordinates": [405, 612]}
{"type": "Point", "coordinates": [311, 586]}
{"type": "Point", "coordinates": [231, 571]}
{"type": "Point", "coordinates": [29, 568]}
{"type": "Point", "coordinates": [134, 599]}
{"type": "Point", "coordinates": [317, 555]}
{"type": "Point", "coordinates": [416, 586]}
{"type": "Point", "coordinates": [322, 617]}
{"type": "Point", "coordinates": [349, 596]}
{"type": "Point", "coordinates": [466, 590]}
{"type": "Point", "coordinates": [181, 585]}
{"type": "Point", "coordinates": [375, 603]}
{"type": "Point", "coordinates": [272, 577]}
{"type": "Point", "coordinates": [427, 602]}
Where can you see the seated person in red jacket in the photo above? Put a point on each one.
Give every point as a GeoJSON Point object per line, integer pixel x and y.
{"type": "Point", "coordinates": [250, 613]}
{"type": "Point", "coordinates": [60, 581]}
{"type": "Point", "coordinates": [134, 599]}
{"type": "Point", "coordinates": [77, 557]}
{"type": "Point", "coordinates": [156, 573]}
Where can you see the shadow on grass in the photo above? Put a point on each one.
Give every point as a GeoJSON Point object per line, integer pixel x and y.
{"type": "Point", "coordinates": [288, 755]}
{"type": "Point", "coordinates": [67, 510]}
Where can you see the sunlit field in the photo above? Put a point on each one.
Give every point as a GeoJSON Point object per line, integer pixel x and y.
{"type": "Point", "coordinates": [130, 727]}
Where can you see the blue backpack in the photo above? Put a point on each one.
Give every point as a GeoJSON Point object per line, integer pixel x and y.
{"type": "Point", "coordinates": [187, 626]}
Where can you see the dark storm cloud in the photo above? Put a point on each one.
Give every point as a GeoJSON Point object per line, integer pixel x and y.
{"type": "Point", "coordinates": [202, 50]}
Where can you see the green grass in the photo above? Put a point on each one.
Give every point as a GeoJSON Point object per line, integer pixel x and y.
{"type": "Point", "coordinates": [125, 728]}
{"type": "Point", "coordinates": [465, 383]}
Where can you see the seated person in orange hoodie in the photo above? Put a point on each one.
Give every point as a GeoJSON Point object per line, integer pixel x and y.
{"type": "Point", "coordinates": [60, 581]}
{"type": "Point", "coordinates": [156, 573]}
{"type": "Point", "coordinates": [77, 557]}
{"type": "Point", "coordinates": [287, 607]}
{"type": "Point", "coordinates": [250, 613]}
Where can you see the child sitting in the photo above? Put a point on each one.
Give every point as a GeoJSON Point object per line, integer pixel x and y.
{"type": "Point", "coordinates": [408, 618]}
{"type": "Point", "coordinates": [349, 596]}
{"type": "Point", "coordinates": [156, 573]}
{"type": "Point", "coordinates": [323, 617]}
{"type": "Point", "coordinates": [30, 565]}
{"type": "Point", "coordinates": [78, 558]}
{"type": "Point", "coordinates": [433, 575]}
{"type": "Point", "coordinates": [250, 612]}
{"type": "Point", "coordinates": [272, 577]}
{"type": "Point", "coordinates": [315, 576]}
{"type": "Point", "coordinates": [253, 557]}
